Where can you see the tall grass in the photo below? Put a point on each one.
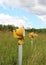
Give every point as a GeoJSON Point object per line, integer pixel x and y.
{"type": "Point", "coordinates": [32, 54]}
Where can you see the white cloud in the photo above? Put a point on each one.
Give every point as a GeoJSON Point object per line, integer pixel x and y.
{"type": "Point", "coordinates": [43, 18]}
{"type": "Point", "coordinates": [33, 6]}
{"type": "Point", "coordinates": [3, 16]}
{"type": "Point", "coordinates": [1, 1]}
{"type": "Point", "coordinates": [7, 19]}
{"type": "Point", "coordinates": [12, 2]}
{"type": "Point", "coordinates": [24, 18]}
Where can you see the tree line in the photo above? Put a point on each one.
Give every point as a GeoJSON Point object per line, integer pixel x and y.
{"type": "Point", "coordinates": [42, 30]}
{"type": "Point", "coordinates": [7, 27]}
{"type": "Point", "coordinates": [12, 27]}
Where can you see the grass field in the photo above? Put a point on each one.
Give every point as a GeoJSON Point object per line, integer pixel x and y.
{"type": "Point", "coordinates": [32, 54]}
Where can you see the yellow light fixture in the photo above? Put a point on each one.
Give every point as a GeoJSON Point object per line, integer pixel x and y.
{"type": "Point", "coordinates": [19, 34]}
{"type": "Point", "coordinates": [32, 35]}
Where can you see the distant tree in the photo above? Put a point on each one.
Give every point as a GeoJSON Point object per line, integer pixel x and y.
{"type": "Point", "coordinates": [11, 28]}
{"type": "Point", "coordinates": [1, 27]}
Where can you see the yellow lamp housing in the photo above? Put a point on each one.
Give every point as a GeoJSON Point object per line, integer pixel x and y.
{"type": "Point", "coordinates": [20, 42]}
{"type": "Point", "coordinates": [15, 35]}
{"type": "Point", "coordinates": [32, 35]}
{"type": "Point", "coordinates": [19, 33]}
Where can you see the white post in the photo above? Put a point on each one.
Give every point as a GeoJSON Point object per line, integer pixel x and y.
{"type": "Point", "coordinates": [19, 54]}
{"type": "Point", "coordinates": [31, 42]}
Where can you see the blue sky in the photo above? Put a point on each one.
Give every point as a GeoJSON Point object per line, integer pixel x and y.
{"type": "Point", "coordinates": [20, 17]}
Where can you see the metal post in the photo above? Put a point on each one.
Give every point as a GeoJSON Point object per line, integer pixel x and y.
{"type": "Point", "coordinates": [19, 54]}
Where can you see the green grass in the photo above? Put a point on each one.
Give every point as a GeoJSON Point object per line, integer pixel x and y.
{"type": "Point", "coordinates": [32, 54]}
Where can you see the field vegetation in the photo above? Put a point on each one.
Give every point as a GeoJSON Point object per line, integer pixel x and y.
{"type": "Point", "coordinates": [33, 54]}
